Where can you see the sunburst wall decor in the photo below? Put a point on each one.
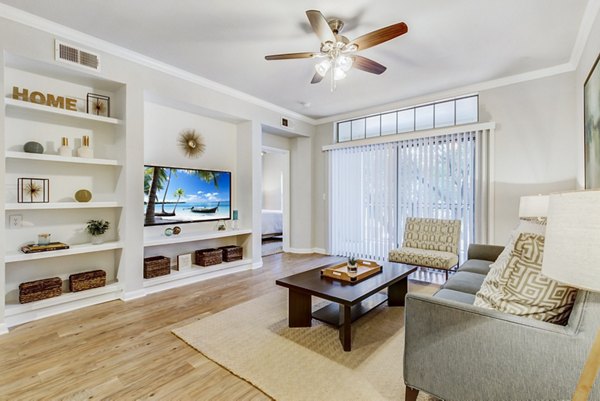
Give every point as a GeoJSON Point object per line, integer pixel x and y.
{"type": "Point", "coordinates": [33, 190]}
{"type": "Point", "coordinates": [191, 143]}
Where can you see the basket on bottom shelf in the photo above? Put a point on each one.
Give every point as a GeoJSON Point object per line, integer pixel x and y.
{"type": "Point", "coordinates": [209, 257]}
{"type": "Point", "coordinates": [232, 252]}
{"type": "Point", "coordinates": [87, 280]}
{"type": "Point", "coordinates": [40, 289]}
{"type": "Point", "coordinates": [156, 266]}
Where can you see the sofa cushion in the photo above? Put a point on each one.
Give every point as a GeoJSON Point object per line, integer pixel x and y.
{"type": "Point", "coordinates": [534, 226]}
{"type": "Point", "coordinates": [465, 282]}
{"type": "Point", "coordinates": [423, 257]}
{"type": "Point", "coordinates": [455, 296]}
{"type": "Point", "coordinates": [476, 266]}
{"type": "Point", "coordinates": [521, 289]}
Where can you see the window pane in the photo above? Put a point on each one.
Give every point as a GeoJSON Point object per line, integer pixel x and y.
{"type": "Point", "coordinates": [424, 116]}
{"type": "Point", "coordinates": [406, 120]}
{"type": "Point", "coordinates": [388, 123]}
{"type": "Point", "coordinates": [466, 110]}
{"type": "Point", "coordinates": [444, 114]}
{"type": "Point", "coordinates": [344, 131]}
{"type": "Point", "coordinates": [358, 129]}
{"type": "Point", "coordinates": [373, 126]}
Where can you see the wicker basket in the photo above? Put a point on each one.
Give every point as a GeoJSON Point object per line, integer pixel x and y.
{"type": "Point", "coordinates": [40, 289]}
{"type": "Point", "coordinates": [156, 266]}
{"type": "Point", "coordinates": [87, 280]}
{"type": "Point", "coordinates": [232, 252]}
{"type": "Point", "coordinates": [209, 257]}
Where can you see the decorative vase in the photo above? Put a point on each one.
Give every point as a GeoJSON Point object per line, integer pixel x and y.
{"type": "Point", "coordinates": [33, 147]}
{"type": "Point", "coordinates": [352, 268]}
{"type": "Point", "coordinates": [64, 149]}
{"type": "Point", "coordinates": [85, 151]}
{"type": "Point", "coordinates": [97, 239]}
{"type": "Point", "coordinates": [83, 195]}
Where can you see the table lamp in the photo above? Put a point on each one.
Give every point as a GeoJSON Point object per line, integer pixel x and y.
{"type": "Point", "coordinates": [535, 206]}
{"type": "Point", "coordinates": [572, 257]}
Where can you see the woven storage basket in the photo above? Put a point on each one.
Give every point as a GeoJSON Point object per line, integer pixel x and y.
{"type": "Point", "coordinates": [40, 289]}
{"type": "Point", "coordinates": [232, 252]}
{"type": "Point", "coordinates": [87, 280]}
{"type": "Point", "coordinates": [156, 266]}
{"type": "Point", "coordinates": [209, 257]}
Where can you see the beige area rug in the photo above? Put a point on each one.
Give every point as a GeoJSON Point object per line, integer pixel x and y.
{"type": "Point", "coordinates": [254, 342]}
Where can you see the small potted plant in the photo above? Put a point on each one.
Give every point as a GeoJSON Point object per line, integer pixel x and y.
{"type": "Point", "coordinates": [352, 264]}
{"type": "Point", "coordinates": [97, 228]}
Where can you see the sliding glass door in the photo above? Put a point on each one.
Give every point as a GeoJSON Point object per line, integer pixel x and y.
{"type": "Point", "coordinates": [374, 188]}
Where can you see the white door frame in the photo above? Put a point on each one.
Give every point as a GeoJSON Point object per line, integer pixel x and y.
{"type": "Point", "coordinates": [286, 193]}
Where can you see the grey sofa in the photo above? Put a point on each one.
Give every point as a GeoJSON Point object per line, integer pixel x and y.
{"type": "Point", "coordinates": [458, 352]}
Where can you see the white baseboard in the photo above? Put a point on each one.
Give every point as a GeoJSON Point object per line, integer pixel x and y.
{"type": "Point", "coordinates": [131, 295]}
{"type": "Point", "coordinates": [307, 250]}
{"type": "Point", "coordinates": [3, 329]}
{"type": "Point", "coordinates": [257, 265]}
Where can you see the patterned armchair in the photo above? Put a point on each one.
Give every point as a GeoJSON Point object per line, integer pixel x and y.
{"type": "Point", "coordinates": [429, 243]}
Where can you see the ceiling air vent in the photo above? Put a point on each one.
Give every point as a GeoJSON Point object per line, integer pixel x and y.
{"type": "Point", "coordinates": [73, 55]}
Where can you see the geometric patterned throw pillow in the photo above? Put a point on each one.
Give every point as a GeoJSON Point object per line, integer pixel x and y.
{"type": "Point", "coordinates": [521, 289]}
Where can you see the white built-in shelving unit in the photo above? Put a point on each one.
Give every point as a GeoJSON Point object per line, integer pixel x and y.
{"type": "Point", "coordinates": [114, 177]}
{"type": "Point", "coordinates": [62, 217]}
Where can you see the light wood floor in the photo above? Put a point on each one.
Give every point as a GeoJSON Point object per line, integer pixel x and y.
{"type": "Point", "coordinates": [120, 350]}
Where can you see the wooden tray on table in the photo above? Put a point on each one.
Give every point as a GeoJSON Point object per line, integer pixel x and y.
{"type": "Point", "coordinates": [365, 269]}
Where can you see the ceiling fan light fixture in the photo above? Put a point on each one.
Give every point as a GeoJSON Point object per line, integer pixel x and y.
{"type": "Point", "coordinates": [350, 48]}
{"type": "Point", "coordinates": [338, 74]}
{"type": "Point", "coordinates": [344, 63]}
{"type": "Point", "coordinates": [322, 67]}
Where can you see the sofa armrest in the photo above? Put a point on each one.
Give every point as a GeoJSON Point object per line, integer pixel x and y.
{"type": "Point", "coordinates": [457, 351]}
{"type": "Point", "coordinates": [484, 252]}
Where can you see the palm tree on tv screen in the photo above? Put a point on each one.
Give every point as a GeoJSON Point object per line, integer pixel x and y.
{"type": "Point", "coordinates": [159, 176]}
{"type": "Point", "coordinates": [179, 192]}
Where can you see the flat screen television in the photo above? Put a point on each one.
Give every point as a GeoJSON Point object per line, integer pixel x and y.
{"type": "Point", "coordinates": [174, 195]}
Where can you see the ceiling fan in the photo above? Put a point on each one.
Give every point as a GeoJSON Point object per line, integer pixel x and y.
{"type": "Point", "coordinates": [339, 53]}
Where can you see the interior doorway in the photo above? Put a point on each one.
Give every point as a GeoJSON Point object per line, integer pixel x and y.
{"type": "Point", "coordinates": [275, 200]}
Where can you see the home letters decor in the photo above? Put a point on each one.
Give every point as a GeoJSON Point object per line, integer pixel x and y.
{"type": "Point", "coordinates": [48, 99]}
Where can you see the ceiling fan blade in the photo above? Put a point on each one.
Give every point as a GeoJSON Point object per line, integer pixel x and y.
{"type": "Point", "coordinates": [379, 36]}
{"type": "Point", "coordinates": [368, 65]}
{"type": "Point", "coordinates": [287, 56]}
{"type": "Point", "coordinates": [316, 78]}
{"type": "Point", "coordinates": [320, 26]}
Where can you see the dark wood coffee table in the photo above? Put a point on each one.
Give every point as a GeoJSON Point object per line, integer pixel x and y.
{"type": "Point", "coordinates": [351, 301]}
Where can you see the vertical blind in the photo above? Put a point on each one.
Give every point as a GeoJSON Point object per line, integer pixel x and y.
{"type": "Point", "coordinates": [374, 188]}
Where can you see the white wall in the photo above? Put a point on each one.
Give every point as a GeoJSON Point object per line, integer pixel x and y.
{"type": "Point", "coordinates": [276, 141]}
{"type": "Point", "coordinates": [273, 165]}
{"type": "Point", "coordinates": [162, 125]}
{"type": "Point", "coordinates": [535, 151]}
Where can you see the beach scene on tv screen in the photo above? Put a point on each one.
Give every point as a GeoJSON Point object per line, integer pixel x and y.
{"type": "Point", "coordinates": [176, 195]}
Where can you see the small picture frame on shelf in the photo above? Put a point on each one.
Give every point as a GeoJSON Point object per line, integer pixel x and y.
{"type": "Point", "coordinates": [184, 261]}
{"type": "Point", "coordinates": [98, 105]}
{"type": "Point", "coordinates": [33, 190]}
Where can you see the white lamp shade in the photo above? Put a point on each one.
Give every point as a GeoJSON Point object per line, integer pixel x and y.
{"type": "Point", "coordinates": [572, 245]}
{"type": "Point", "coordinates": [533, 206]}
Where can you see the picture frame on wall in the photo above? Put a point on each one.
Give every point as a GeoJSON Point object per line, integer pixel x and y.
{"type": "Point", "coordinates": [33, 190]}
{"type": "Point", "coordinates": [591, 123]}
{"type": "Point", "coordinates": [98, 105]}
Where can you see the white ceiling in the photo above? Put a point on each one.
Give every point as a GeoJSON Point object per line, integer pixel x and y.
{"type": "Point", "coordinates": [449, 44]}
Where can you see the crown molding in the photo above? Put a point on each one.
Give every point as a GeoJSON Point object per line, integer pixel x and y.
{"type": "Point", "coordinates": [53, 28]}
{"type": "Point", "coordinates": [585, 28]}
